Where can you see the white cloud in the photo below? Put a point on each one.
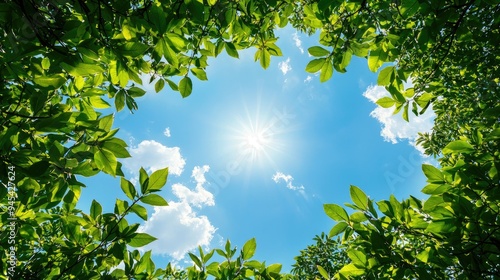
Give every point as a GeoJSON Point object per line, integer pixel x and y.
{"type": "Point", "coordinates": [200, 196]}
{"type": "Point", "coordinates": [285, 66]}
{"type": "Point", "coordinates": [279, 176]}
{"type": "Point", "coordinates": [167, 132]}
{"type": "Point", "coordinates": [308, 79]}
{"type": "Point", "coordinates": [394, 128]}
{"type": "Point", "coordinates": [178, 227]}
{"type": "Point", "coordinates": [298, 42]}
{"type": "Point", "coordinates": [153, 156]}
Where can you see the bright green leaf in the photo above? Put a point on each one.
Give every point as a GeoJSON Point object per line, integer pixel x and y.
{"type": "Point", "coordinates": [158, 179]}
{"type": "Point", "coordinates": [385, 76]}
{"type": "Point", "coordinates": [141, 239]}
{"type": "Point", "coordinates": [336, 212]}
{"type": "Point", "coordinates": [106, 161]}
{"type": "Point", "coordinates": [318, 51]}
{"type": "Point", "coordinates": [337, 229]}
{"type": "Point", "coordinates": [458, 146]}
{"type": "Point", "coordinates": [249, 249]}
{"type": "Point", "coordinates": [95, 209]}
{"type": "Point", "coordinates": [140, 211]}
{"type": "Point", "coordinates": [386, 102]}
{"type": "Point", "coordinates": [154, 199]}
{"type": "Point", "coordinates": [359, 197]}
{"type": "Point", "coordinates": [315, 65]}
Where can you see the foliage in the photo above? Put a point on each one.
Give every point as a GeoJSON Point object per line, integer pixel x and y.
{"type": "Point", "coordinates": [327, 253]}
{"type": "Point", "coordinates": [63, 62]}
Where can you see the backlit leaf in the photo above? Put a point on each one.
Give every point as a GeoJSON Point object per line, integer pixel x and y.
{"type": "Point", "coordinates": [154, 199]}
{"type": "Point", "coordinates": [336, 212]}
{"type": "Point", "coordinates": [141, 239]}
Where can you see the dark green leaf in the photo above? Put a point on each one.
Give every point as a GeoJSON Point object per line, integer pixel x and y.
{"type": "Point", "coordinates": [185, 86]}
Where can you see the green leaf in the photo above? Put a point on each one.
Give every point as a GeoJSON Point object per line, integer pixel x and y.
{"type": "Point", "coordinates": [154, 199]}
{"type": "Point", "coordinates": [136, 92]}
{"type": "Point", "coordinates": [385, 76]}
{"type": "Point", "coordinates": [315, 65]}
{"type": "Point", "coordinates": [346, 59]}
{"type": "Point", "coordinates": [118, 150]}
{"type": "Point", "coordinates": [141, 239]}
{"type": "Point", "coordinates": [128, 188]}
{"type": "Point", "coordinates": [54, 81]}
{"type": "Point", "coordinates": [458, 146]}
{"type": "Point", "coordinates": [231, 50]}
{"type": "Point", "coordinates": [106, 161]}
{"type": "Point", "coordinates": [376, 59]}
{"type": "Point", "coordinates": [326, 72]}
{"type": "Point", "coordinates": [318, 51]}
{"type": "Point", "coordinates": [357, 257]}
{"type": "Point", "coordinates": [358, 217]}
{"type": "Point", "coordinates": [140, 211]}
{"type": "Point", "coordinates": [433, 174]}
{"type": "Point", "coordinates": [405, 112]}
{"type": "Point", "coordinates": [265, 58]}
{"type": "Point", "coordinates": [159, 85]}
{"type": "Point", "coordinates": [424, 99]}
{"type": "Point", "coordinates": [196, 260]}
{"type": "Point", "coordinates": [143, 179]}
{"type": "Point", "coordinates": [386, 102]}
{"type": "Point", "coordinates": [359, 197]}
{"type": "Point", "coordinates": [106, 122]}
{"type": "Point", "coordinates": [424, 255]}
{"type": "Point", "coordinates": [442, 226]}
{"type": "Point", "coordinates": [337, 229]}
{"type": "Point", "coordinates": [98, 103]}
{"type": "Point", "coordinates": [274, 268]}
{"type": "Point", "coordinates": [185, 86]}
{"type": "Point", "coordinates": [323, 272]}
{"type": "Point", "coordinates": [133, 49]}
{"type": "Point", "coordinates": [351, 270]}
{"type": "Point", "coordinates": [336, 212]}
{"type": "Point", "coordinates": [82, 69]}
{"type": "Point", "coordinates": [157, 180]}
{"type": "Point", "coordinates": [176, 41]}
{"type": "Point", "coordinates": [45, 63]}
{"type": "Point", "coordinates": [249, 249]}
{"type": "Point", "coordinates": [95, 209]}
{"type": "Point", "coordinates": [200, 74]}
{"type": "Point", "coordinates": [120, 100]}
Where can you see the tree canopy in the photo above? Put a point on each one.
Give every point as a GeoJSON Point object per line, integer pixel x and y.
{"type": "Point", "coordinates": [61, 62]}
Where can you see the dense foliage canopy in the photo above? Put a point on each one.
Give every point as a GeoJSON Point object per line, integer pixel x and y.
{"type": "Point", "coordinates": [63, 61]}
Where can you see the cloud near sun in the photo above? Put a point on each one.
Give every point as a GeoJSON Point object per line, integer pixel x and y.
{"type": "Point", "coordinates": [279, 176]}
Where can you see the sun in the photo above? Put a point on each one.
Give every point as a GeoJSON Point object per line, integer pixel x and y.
{"type": "Point", "coordinates": [255, 142]}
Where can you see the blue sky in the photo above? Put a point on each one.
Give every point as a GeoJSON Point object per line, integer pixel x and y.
{"type": "Point", "coordinates": [256, 153]}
